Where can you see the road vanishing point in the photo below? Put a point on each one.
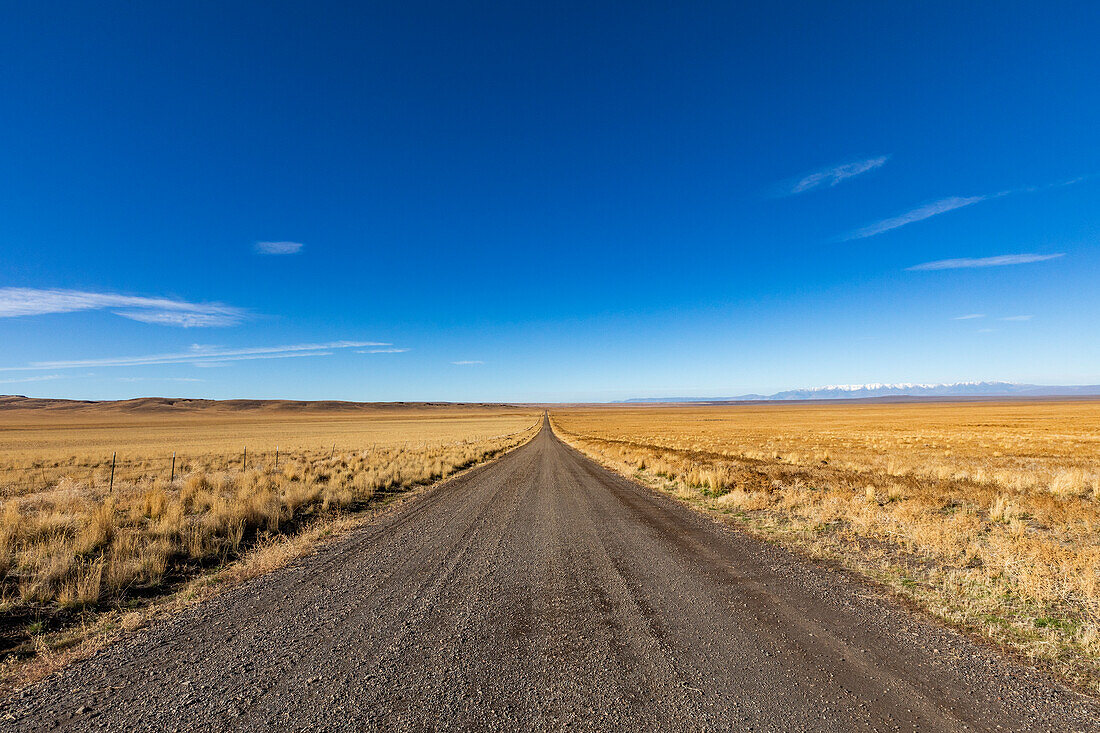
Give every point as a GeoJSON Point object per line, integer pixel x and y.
{"type": "Point", "coordinates": [543, 592]}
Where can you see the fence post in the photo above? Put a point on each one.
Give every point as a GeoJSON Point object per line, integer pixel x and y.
{"type": "Point", "coordinates": [276, 456]}
{"type": "Point", "coordinates": [111, 486]}
{"type": "Point", "coordinates": [244, 462]}
{"type": "Point", "coordinates": [173, 468]}
{"type": "Point", "coordinates": [333, 451]}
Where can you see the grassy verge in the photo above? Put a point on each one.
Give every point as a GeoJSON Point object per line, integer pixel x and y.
{"type": "Point", "coordinates": [984, 561]}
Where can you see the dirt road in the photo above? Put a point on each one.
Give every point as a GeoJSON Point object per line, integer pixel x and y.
{"type": "Point", "coordinates": [541, 592]}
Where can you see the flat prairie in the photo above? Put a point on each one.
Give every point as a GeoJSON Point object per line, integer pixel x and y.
{"type": "Point", "coordinates": [104, 504]}
{"type": "Point", "coordinates": [47, 430]}
{"type": "Point", "coordinates": [985, 513]}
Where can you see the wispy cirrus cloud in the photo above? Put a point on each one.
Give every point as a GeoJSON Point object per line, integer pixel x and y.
{"type": "Point", "coordinates": [159, 379]}
{"type": "Point", "coordinates": [942, 206]}
{"type": "Point", "coordinates": [467, 362]}
{"type": "Point", "coordinates": [968, 317]}
{"type": "Point", "coordinates": [36, 378]}
{"type": "Point", "coordinates": [997, 261]}
{"type": "Point", "coordinates": [390, 350]}
{"type": "Point", "coordinates": [15, 302]}
{"type": "Point", "coordinates": [278, 248]}
{"type": "Point", "coordinates": [202, 356]}
{"type": "Point", "coordinates": [834, 175]}
{"type": "Point", "coordinates": [179, 319]}
{"type": "Point", "coordinates": [920, 213]}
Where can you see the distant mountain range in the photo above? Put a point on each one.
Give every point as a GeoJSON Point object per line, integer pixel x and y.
{"type": "Point", "coordinates": [870, 391]}
{"type": "Point", "coordinates": [185, 404]}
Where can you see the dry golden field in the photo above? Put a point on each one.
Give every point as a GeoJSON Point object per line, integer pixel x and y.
{"type": "Point", "coordinates": [69, 540]}
{"type": "Point", "coordinates": [987, 514]}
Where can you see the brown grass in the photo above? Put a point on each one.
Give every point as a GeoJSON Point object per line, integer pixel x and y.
{"type": "Point", "coordinates": [988, 514]}
{"type": "Point", "coordinates": [68, 543]}
{"type": "Point", "coordinates": [46, 653]}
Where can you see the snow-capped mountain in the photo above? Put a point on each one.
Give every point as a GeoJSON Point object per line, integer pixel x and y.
{"type": "Point", "coordinates": [909, 389]}
{"type": "Point", "coordinates": [904, 389]}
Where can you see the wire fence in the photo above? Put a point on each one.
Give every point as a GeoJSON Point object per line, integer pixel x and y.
{"type": "Point", "coordinates": [111, 471]}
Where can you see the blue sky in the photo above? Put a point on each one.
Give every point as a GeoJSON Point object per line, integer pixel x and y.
{"type": "Point", "coordinates": [545, 202]}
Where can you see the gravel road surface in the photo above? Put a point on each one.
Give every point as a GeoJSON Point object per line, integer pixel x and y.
{"type": "Point", "coordinates": [542, 592]}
